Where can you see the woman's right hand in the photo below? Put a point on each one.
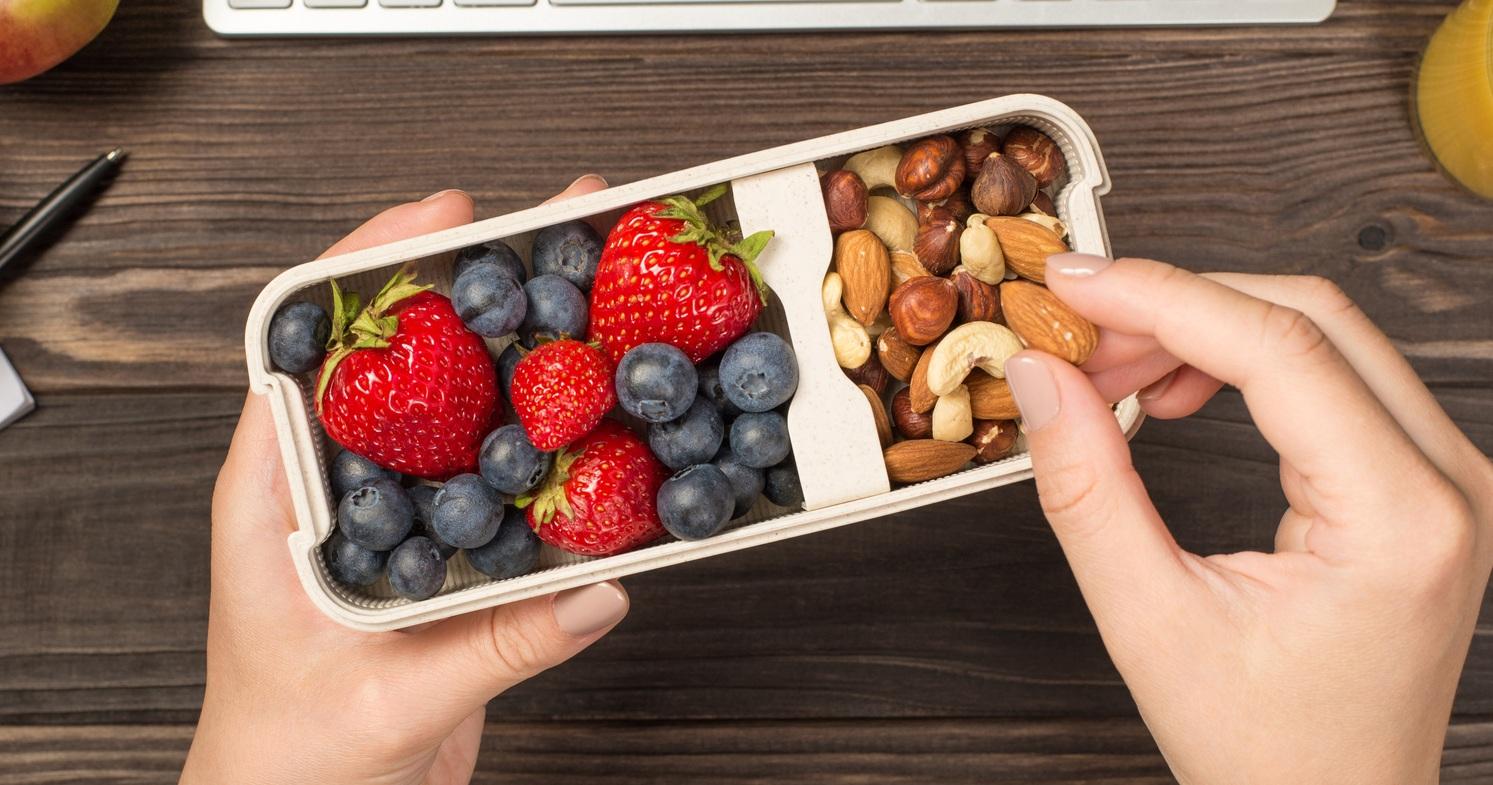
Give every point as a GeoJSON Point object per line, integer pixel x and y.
{"type": "Point", "coordinates": [1333, 659]}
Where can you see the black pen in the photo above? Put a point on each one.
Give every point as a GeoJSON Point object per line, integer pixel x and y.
{"type": "Point", "coordinates": [58, 205]}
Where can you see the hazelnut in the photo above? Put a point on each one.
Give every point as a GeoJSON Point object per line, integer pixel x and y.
{"type": "Point", "coordinates": [992, 439]}
{"type": "Point", "coordinates": [931, 169]}
{"type": "Point", "coordinates": [1037, 153]}
{"type": "Point", "coordinates": [978, 144]}
{"type": "Point", "coordinates": [1043, 203]}
{"type": "Point", "coordinates": [923, 308]}
{"type": "Point", "coordinates": [844, 200]}
{"type": "Point", "coordinates": [958, 204]}
{"type": "Point", "coordinates": [937, 243]}
{"type": "Point", "coordinates": [1003, 187]}
{"type": "Point", "coordinates": [978, 301]}
{"type": "Point", "coordinates": [911, 424]}
{"type": "Point", "coordinates": [897, 356]}
{"type": "Point", "coordinates": [870, 374]}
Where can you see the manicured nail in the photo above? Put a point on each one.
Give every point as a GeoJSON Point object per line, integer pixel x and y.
{"type": "Point", "coordinates": [588, 179]}
{"type": "Point", "coordinates": [1077, 265]}
{"type": "Point", "coordinates": [440, 194]}
{"type": "Point", "coordinates": [1157, 388]}
{"type": "Point", "coordinates": [1035, 390]}
{"type": "Point", "coordinates": [582, 611]}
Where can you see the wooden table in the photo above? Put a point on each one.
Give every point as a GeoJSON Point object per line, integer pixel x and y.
{"type": "Point", "coordinates": [944, 645]}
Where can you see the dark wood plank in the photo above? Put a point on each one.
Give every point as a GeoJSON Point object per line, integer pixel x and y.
{"type": "Point", "coordinates": [1012, 752]}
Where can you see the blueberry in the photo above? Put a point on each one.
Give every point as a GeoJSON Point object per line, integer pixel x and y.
{"type": "Point", "coordinates": [688, 440]}
{"type": "Point", "coordinates": [467, 512]}
{"type": "Point", "coordinates": [759, 372]}
{"type": "Point", "coordinates": [696, 502]}
{"type": "Point", "coordinates": [570, 250]}
{"type": "Point", "coordinates": [710, 388]}
{"type": "Point", "coordinates": [416, 569]}
{"type": "Point", "coordinates": [510, 462]}
{"type": "Point", "coordinates": [556, 308]}
{"type": "Point", "coordinates": [656, 381]}
{"type": "Point", "coordinates": [507, 361]}
{"type": "Point", "coordinates": [377, 516]}
{"type": "Point", "coordinates": [760, 439]}
{"type": "Point", "coordinates": [783, 488]}
{"type": "Point", "coordinates": [350, 563]}
{"type": "Point", "coordinates": [489, 301]}
{"type": "Point", "coordinates": [746, 481]}
{"type": "Point", "coordinates": [350, 470]}
{"type": "Point", "coordinates": [514, 551]}
{"type": "Point", "coordinates": [495, 253]}
{"type": "Point", "coordinates": [423, 497]}
{"type": "Point", "coordinates": [298, 337]}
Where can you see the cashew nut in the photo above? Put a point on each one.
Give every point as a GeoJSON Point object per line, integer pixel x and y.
{"type": "Point", "coordinates": [953, 420]}
{"type": "Point", "coordinates": [890, 220]}
{"type": "Point", "coordinates": [851, 341]}
{"type": "Point", "coordinates": [876, 168]}
{"type": "Point", "coordinates": [984, 345]}
{"type": "Point", "coordinates": [980, 252]}
{"type": "Point", "coordinates": [1043, 219]}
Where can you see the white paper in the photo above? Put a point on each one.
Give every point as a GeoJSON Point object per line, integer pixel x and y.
{"type": "Point", "coordinates": [15, 399]}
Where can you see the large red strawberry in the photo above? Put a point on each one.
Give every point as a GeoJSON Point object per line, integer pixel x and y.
{"type": "Point", "coordinates": [667, 275]}
{"type": "Point", "coordinates": [406, 384]}
{"type": "Point", "coordinates": [599, 498]}
{"type": "Point", "coordinates": [561, 390]}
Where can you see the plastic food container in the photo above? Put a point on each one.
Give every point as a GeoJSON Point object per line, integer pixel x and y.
{"type": "Point", "coordinates": [830, 423]}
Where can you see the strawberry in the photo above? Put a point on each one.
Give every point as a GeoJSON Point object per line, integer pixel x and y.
{"type": "Point", "coordinates": [599, 497]}
{"type": "Point", "coordinates": [667, 275]}
{"type": "Point", "coordinates": [561, 390]}
{"type": "Point", "coordinates": [406, 384]}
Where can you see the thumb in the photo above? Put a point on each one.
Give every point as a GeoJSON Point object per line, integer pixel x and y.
{"type": "Point", "coordinates": [1125, 560]}
{"type": "Point", "coordinates": [465, 661]}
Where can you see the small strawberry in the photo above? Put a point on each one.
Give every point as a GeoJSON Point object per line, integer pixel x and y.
{"type": "Point", "coordinates": [667, 275]}
{"type": "Point", "coordinates": [561, 390]}
{"type": "Point", "coordinates": [599, 498]}
{"type": "Point", "coordinates": [406, 384]}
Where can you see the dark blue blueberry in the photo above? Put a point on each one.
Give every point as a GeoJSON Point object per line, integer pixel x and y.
{"type": "Point", "coordinates": [570, 250]}
{"type": "Point", "coordinates": [688, 440]}
{"type": "Point", "coordinates": [489, 301]}
{"type": "Point", "coordinates": [746, 481]}
{"type": "Point", "coordinates": [349, 471]}
{"type": "Point", "coordinates": [298, 337]}
{"type": "Point", "coordinates": [507, 361]}
{"type": "Point", "coordinates": [514, 551]}
{"type": "Point", "coordinates": [350, 563]}
{"type": "Point", "coordinates": [782, 487]}
{"type": "Point", "coordinates": [696, 503]}
{"type": "Point", "coordinates": [467, 512]}
{"type": "Point", "coordinates": [378, 515]}
{"type": "Point", "coordinates": [510, 462]}
{"type": "Point", "coordinates": [657, 382]}
{"type": "Point", "coordinates": [556, 308]}
{"type": "Point", "coordinates": [423, 497]}
{"type": "Point", "coordinates": [759, 372]}
{"type": "Point", "coordinates": [495, 253]}
{"type": "Point", "coordinates": [416, 569]}
{"type": "Point", "coordinates": [710, 388]}
{"type": "Point", "coordinates": [760, 439]}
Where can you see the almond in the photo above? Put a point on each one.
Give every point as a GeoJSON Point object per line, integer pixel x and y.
{"type": "Point", "coordinates": [897, 356]}
{"type": "Point", "coordinates": [990, 398]}
{"type": "Point", "coordinates": [1026, 245]}
{"type": "Point", "coordinates": [921, 397]}
{"type": "Point", "coordinates": [866, 268]}
{"type": "Point", "coordinates": [1045, 323]}
{"type": "Point", "coordinates": [878, 413]}
{"type": "Point", "coordinates": [918, 460]}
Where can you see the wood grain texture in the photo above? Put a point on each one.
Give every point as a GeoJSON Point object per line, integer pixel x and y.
{"type": "Point", "coordinates": [897, 650]}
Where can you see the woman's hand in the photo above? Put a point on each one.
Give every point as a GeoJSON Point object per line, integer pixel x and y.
{"type": "Point", "coordinates": [1334, 659]}
{"type": "Point", "coordinates": [292, 697]}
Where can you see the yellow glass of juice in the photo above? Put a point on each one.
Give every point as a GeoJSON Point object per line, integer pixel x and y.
{"type": "Point", "coordinates": [1453, 96]}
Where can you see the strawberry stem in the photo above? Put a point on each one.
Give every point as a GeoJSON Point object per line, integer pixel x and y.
{"type": "Point", "coordinates": [550, 497]}
{"type": "Point", "coordinates": [718, 242]}
{"type": "Point", "coordinates": [368, 328]}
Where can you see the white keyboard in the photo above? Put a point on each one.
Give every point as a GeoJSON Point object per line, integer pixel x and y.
{"type": "Point", "coordinates": [501, 17]}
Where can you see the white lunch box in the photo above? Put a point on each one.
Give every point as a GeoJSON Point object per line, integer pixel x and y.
{"type": "Point", "coordinates": [830, 423]}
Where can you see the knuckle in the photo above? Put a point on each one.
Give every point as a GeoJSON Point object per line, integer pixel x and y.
{"type": "Point", "coordinates": [1071, 494]}
{"type": "Point", "coordinates": [1445, 540]}
{"type": "Point", "coordinates": [515, 646]}
{"type": "Point", "coordinates": [1325, 296]}
{"type": "Point", "coordinates": [1291, 333]}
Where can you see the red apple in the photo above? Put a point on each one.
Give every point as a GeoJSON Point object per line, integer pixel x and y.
{"type": "Point", "coordinates": [38, 34]}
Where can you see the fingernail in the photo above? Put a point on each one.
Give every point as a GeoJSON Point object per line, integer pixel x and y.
{"type": "Point", "coordinates": [1035, 390]}
{"type": "Point", "coordinates": [440, 194]}
{"type": "Point", "coordinates": [588, 179]}
{"type": "Point", "coordinates": [585, 610]}
{"type": "Point", "coordinates": [1157, 388]}
{"type": "Point", "coordinates": [1077, 265]}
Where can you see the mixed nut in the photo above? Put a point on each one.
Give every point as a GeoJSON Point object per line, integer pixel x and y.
{"type": "Point", "coordinates": [937, 279]}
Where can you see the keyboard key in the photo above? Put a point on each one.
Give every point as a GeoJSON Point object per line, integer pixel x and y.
{"type": "Point", "coordinates": [409, 3]}
{"type": "Point", "coordinates": [706, 2]}
{"type": "Point", "coordinates": [481, 3]}
{"type": "Point", "coordinates": [258, 3]}
{"type": "Point", "coordinates": [335, 3]}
